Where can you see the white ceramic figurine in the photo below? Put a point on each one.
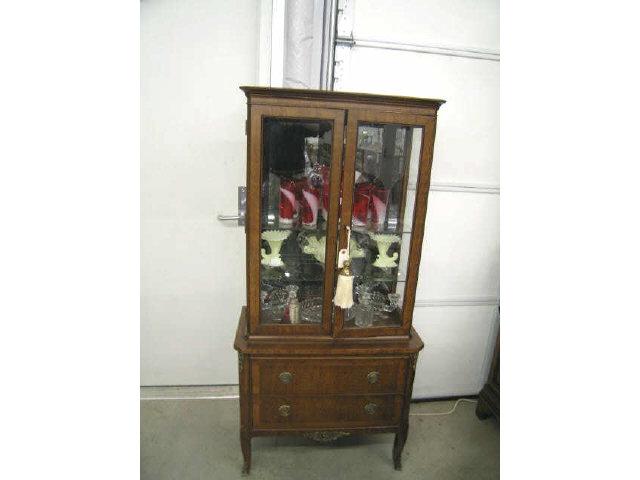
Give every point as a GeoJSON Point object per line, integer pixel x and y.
{"type": "Point", "coordinates": [384, 242]}
{"type": "Point", "coordinates": [274, 238]}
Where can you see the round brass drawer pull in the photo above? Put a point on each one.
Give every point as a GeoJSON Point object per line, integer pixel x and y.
{"type": "Point", "coordinates": [370, 408]}
{"type": "Point", "coordinates": [373, 377]}
{"type": "Point", "coordinates": [285, 377]}
{"type": "Point", "coordinates": [285, 410]}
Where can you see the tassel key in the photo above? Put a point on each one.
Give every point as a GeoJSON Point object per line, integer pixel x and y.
{"type": "Point", "coordinates": [344, 288]}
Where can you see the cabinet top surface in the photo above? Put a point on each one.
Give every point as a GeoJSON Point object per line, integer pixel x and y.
{"type": "Point", "coordinates": [326, 95]}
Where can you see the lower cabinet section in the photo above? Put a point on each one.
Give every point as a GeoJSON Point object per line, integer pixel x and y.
{"type": "Point", "coordinates": [325, 390]}
{"type": "Point", "coordinates": [309, 412]}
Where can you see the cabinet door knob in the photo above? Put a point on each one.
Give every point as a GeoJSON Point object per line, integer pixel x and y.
{"type": "Point", "coordinates": [370, 408]}
{"type": "Point", "coordinates": [373, 377]}
{"type": "Point", "coordinates": [285, 410]}
{"type": "Point", "coordinates": [285, 377]}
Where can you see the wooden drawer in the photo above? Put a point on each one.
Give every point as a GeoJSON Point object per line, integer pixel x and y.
{"type": "Point", "coordinates": [301, 412]}
{"type": "Point", "coordinates": [328, 376]}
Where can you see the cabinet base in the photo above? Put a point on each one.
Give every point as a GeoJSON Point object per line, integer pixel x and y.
{"type": "Point", "coordinates": [325, 391]}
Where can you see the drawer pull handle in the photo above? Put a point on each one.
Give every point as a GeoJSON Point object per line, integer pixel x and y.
{"type": "Point", "coordinates": [373, 377]}
{"type": "Point", "coordinates": [285, 410]}
{"type": "Point", "coordinates": [370, 408]}
{"type": "Point", "coordinates": [285, 377]}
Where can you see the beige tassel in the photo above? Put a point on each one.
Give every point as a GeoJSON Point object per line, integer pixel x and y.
{"type": "Point", "coordinates": [344, 288]}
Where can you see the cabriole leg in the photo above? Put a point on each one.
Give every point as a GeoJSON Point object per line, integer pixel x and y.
{"type": "Point", "coordinates": [398, 446]}
{"type": "Point", "coordinates": [245, 444]}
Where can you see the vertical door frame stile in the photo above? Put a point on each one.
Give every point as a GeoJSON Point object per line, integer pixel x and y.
{"type": "Point", "coordinates": [252, 216]}
{"type": "Point", "coordinates": [335, 193]}
{"type": "Point", "coordinates": [346, 205]}
{"type": "Point", "coordinates": [428, 125]}
{"type": "Point", "coordinates": [253, 227]}
{"type": "Point", "coordinates": [419, 219]}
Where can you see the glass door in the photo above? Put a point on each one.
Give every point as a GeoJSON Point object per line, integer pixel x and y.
{"type": "Point", "coordinates": [293, 202]}
{"type": "Point", "coordinates": [385, 186]}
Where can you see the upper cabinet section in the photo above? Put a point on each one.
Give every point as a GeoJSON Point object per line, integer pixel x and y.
{"type": "Point", "coordinates": [319, 162]}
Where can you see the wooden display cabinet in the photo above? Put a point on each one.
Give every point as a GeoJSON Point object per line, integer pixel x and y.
{"type": "Point", "coordinates": [319, 162]}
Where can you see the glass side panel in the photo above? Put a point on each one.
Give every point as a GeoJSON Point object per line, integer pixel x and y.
{"type": "Point", "coordinates": [295, 201]}
{"type": "Point", "coordinates": [387, 161]}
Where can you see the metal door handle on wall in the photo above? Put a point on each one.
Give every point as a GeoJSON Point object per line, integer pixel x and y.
{"type": "Point", "coordinates": [242, 208]}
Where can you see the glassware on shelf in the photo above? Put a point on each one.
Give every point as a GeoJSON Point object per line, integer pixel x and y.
{"type": "Point", "coordinates": [273, 305]}
{"type": "Point", "coordinates": [378, 207]}
{"type": "Point", "coordinates": [277, 305]}
{"type": "Point", "coordinates": [292, 310]}
{"type": "Point", "coordinates": [310, 204]}
{"type": "Point", "coordinates": [274, 238]}
{"type": "Point", "coordinates": [384, 242]}
{"type": "Point", "coordinates": [394, 301]}
{"type": "Point", "coordinates": [392, 218]}
{"type": "Point", "coordinates": [324, 172]}
{"type": "Point", "coordinates": [361, 199]}
{"type": "Point", "coordinates": [316, 247]}
{"type": "Point", "coordinates": [364, 317]}
{"type": "Point", "coordinates": [311, 310]}
{"type": "Point", "coordinates": [288, 207]}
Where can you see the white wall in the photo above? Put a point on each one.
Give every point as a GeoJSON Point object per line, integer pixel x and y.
{"type": "Point", "coordinates": [461, 249]}
{"type": "Point", "coordinates": [194, 54]}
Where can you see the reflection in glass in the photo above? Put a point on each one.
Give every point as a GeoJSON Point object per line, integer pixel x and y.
{"type": "Point", "coordinates": [295, 202]}
{"type": "Point", "coordinates": [386, 167]}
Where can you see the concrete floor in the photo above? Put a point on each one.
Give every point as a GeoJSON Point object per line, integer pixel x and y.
{"type": "Point", "coordinates": [198, 439]}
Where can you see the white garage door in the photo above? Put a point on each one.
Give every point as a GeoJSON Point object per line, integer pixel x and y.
{"type": "Point", "coordinates": [445, 49]}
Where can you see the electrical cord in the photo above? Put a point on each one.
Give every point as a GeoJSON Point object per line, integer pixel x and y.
{"type": "Point", "coordinates": [446, 413]}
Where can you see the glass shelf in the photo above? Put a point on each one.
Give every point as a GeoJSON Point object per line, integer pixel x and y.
{"type": "Point", "coordinates": [270, 275]}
